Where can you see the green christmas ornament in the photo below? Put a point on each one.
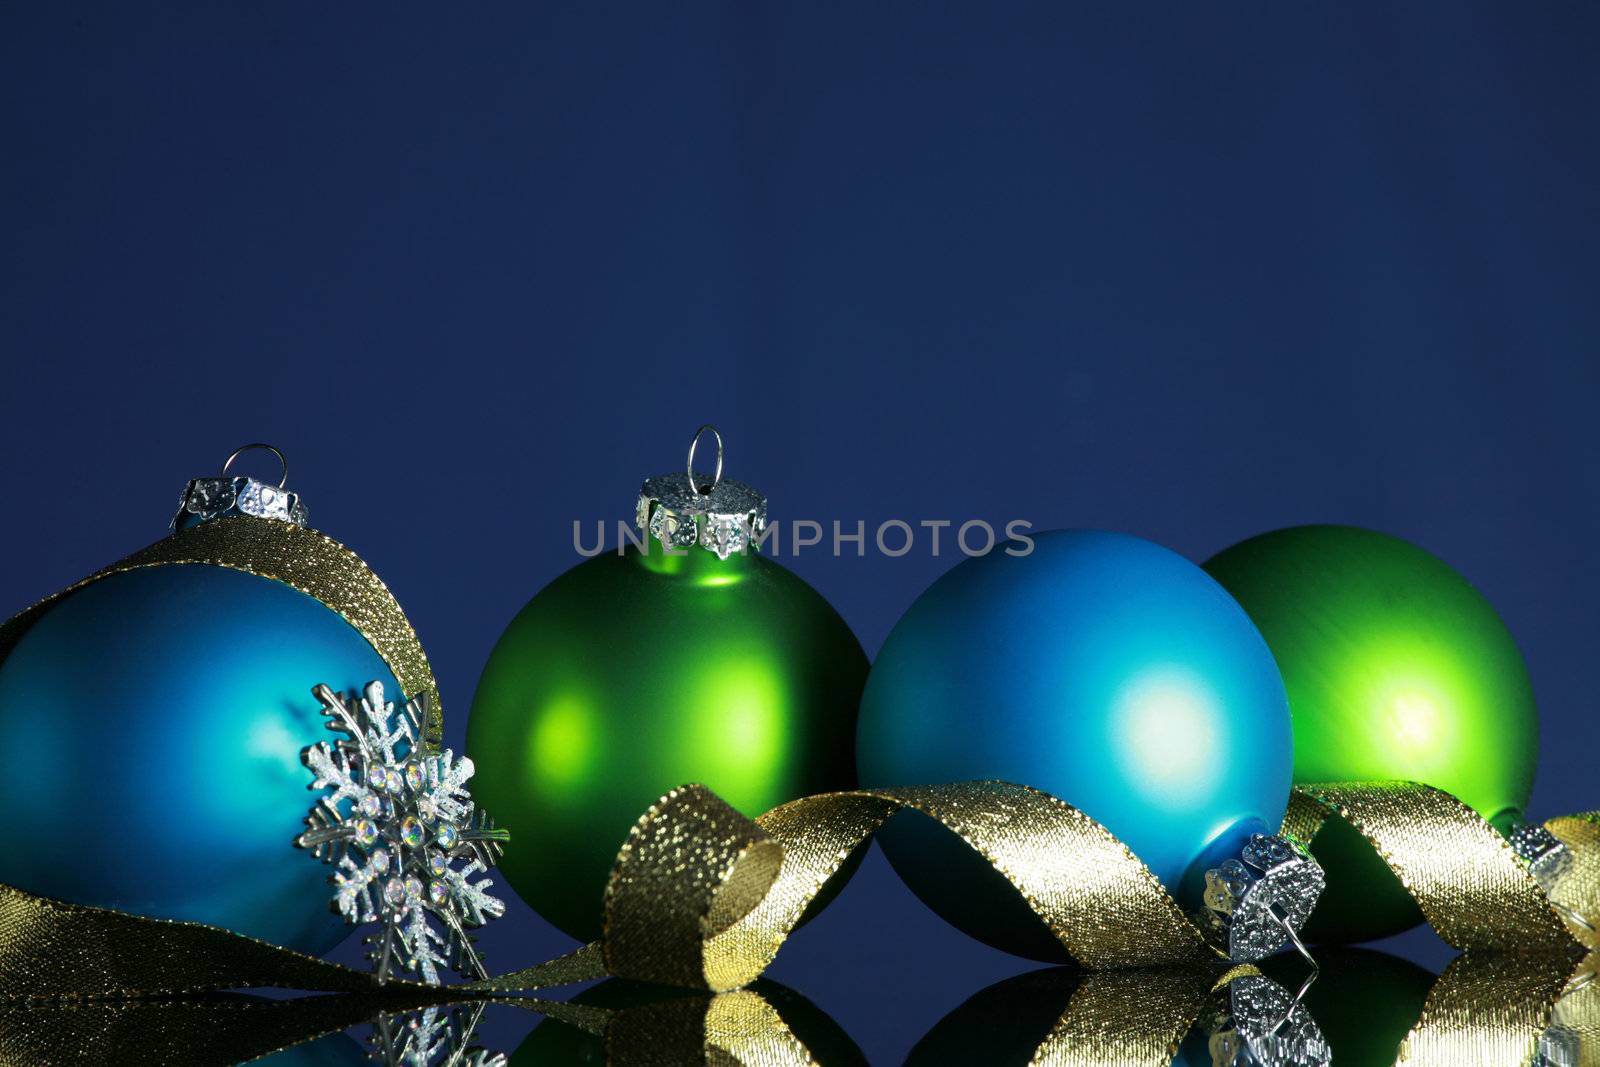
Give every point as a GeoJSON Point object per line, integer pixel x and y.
{"type": "Point", "coordinates": [691, 659]}
{"type": "Point", "coordinates": [1396, 668]}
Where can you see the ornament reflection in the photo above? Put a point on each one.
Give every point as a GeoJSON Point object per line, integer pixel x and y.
{"type": "Point", "coordinates": [619, 1023]}
{"type": "Point", "coordinates": [1365, 1009]}
{"type": "Point", "coordinates": [1202, 1016]}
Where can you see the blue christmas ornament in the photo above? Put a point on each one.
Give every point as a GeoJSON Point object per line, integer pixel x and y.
{"type": "Point", "coordinates": [154, 720]}
{"type": "Point", "coordinates": [1101, 668]}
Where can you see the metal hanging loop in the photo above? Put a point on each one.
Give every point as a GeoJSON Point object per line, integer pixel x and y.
{"type": "Point", "coordinates": [283, 464]}
{"type": "Point", "coordinates": [716, 478]}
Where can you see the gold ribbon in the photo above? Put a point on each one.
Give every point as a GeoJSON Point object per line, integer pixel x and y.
{"type": "Point", "coordinates": [1471, 886]}
{"type": "Point", "coordinates": [698, 897]}
{"type": "Point", "coordinates": [313, 563]}
{"type": "Point", "coordinates": [701, 897]}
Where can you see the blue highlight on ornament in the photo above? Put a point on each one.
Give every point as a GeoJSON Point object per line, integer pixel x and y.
{"type": "Point", "coordinates": [163, 711]}
{"type": "Point", "coordinates": [1163, 725]}
{"type": "Point", "coordinates": [1101, 668]}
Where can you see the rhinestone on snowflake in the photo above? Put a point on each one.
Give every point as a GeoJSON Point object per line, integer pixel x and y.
{"type": "Point", "coordinates": [399, 824]}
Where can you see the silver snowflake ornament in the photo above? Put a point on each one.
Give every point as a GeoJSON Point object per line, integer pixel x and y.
{"type": "Point", "coordinates": [398, 823]}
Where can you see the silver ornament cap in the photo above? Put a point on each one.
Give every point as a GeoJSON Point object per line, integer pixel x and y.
{"type": "Point", "coordinates": [718, 514]}
{"type": "Point", "coordinates": [224, 495]}
{"type": "Point", "coordinates": [1256, 902]}
{"type": "Point", "coordinates": [1549, 859]}
{"type": "Point", "coordinates": [1547, 856]}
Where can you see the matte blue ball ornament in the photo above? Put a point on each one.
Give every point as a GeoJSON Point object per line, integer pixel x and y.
{"type": "Point", "coordinates": [153, 721]}
{"type": "Point", "coordinates": [1098, 667]}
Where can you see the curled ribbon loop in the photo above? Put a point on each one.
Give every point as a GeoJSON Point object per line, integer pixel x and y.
{"type": "Point", "coordinates": [1471, 886]}
{"type": "Point", "coordinates": [692, 855]}
{"type": "Point", "coordinates": [689, 871]}
{"type": "Point", "coordinates": [701, 897]}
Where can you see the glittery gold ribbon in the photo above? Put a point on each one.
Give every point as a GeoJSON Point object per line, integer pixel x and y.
{"type": "Point", "coordinates": [699, 899]}
{"type": "Point", "coordinates": [1472, 888]}
{"type": "Point", "coordinates": [702, 897]}
{"type": "Point", "coordinates": [313, 563]}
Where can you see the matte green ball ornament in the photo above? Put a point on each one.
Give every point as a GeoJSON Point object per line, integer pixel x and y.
{"type": "Point", "coordinates": [689, 659]}
{"type": "Point", "coordinates": [1396, 668]}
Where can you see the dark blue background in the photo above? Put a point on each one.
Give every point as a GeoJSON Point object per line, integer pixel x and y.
{"type": "Point", "coordinates": [1188, 271]}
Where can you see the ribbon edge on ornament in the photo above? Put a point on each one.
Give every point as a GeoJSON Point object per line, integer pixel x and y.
{"type": "Point", "coordinates": [370, 607]}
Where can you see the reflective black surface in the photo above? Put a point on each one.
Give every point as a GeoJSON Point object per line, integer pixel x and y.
{"type": "Point", "coordinates": [1359, 1007]}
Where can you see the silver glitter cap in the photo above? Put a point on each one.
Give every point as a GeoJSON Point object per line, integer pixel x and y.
{"type": "Point", "coordinates": [683, 510]}
{"type": "Point", "coordinates": [1254, 1022]}
{"type": "Point", "coordinates": [1254, 903]}
{"type": "Point", "coordinates": [1549, 859]}
{"type": "Point", "coordinates": [225, 495]}
{"type": "Point", "coordinates": [1546, 855]}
